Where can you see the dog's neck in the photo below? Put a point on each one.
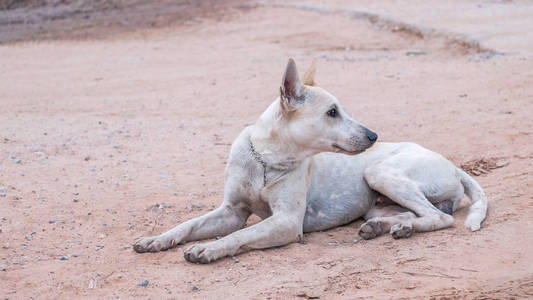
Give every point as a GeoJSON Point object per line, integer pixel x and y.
{"type": "Point", "coordinates": [272, 142]}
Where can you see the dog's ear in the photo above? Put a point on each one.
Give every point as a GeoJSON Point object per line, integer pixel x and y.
{"type": "Point", "coordinates": [309, 75]}
{"type": "Point", "coordinates": [291, 87]}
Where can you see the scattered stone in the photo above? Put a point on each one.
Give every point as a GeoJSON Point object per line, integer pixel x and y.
{"type": "Point", "coordinates": [30, 237]}
{"type": "Point", "coordinates": [189, 207]}
{"type": "Point", "coordinates": [195, 289]}
{"type": "Point", "coordinates": [2, 268]}
{"type": "Point", "coordinates": [235, 259]}
{"type": "Point", "coordinates": [355, 241]}
{"type": "Point", "coordinates": [3, 188]}
{"type": "Point", "coordinates": [55, 179]}
{"type": "Point", "coordinates": [15, 197]}
{"type": "Point", "coordinates": [17, 160]}
{"type": "Point", "coordinates": [6, 245]}
{"type": "Point", "coordinates": [3, 194]}
{"type": "Point", "coordinates": [92, 284]}
{"type": "Point", "coordinates": [415, 53]}
{"type": "Point", "coordinates": [55, 221]}
{"type": "Point", "coordinates": [144, 283]}
{"type": "Point", "coordinates": [76, 194]}
{"type": "Point", "coordinates": [75, 200]}
{"type": "Point", "coordinates": [180, 249]}
{"type": "Point", "coordinates": [12, 291]}
{"type": "Point", "coordinates": [199, 205]}
{"type": "Point", "coordinates": [65, 257]}
{"type": "Point", "coordinates": [119, 276]}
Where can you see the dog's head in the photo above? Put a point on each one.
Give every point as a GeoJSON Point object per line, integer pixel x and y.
{"type": "Point", "coordinates": [315, 119]}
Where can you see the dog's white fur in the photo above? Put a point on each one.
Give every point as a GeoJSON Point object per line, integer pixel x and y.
{"type": "Point", "coordinates": [283, 169]}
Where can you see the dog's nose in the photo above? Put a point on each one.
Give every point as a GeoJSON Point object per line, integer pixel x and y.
{"type": "Point", "coordinates": [372, 136]}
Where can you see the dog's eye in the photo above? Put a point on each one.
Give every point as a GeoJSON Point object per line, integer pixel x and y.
{"type": "Point", "coordinates": [332, 113]}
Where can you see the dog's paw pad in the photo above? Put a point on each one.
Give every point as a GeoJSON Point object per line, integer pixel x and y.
{"type": "Point", "coordinates": [400, 231]}
{"type": "Point", "coordinates": [370, 230]}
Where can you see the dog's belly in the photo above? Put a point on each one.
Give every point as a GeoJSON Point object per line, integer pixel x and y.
{"type": "Point", "coordinates": [338, 193]}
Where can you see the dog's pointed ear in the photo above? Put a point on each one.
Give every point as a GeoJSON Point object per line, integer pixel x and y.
{"type": "Point", "coordinates": [309, 75]}
{"type": "Point", "coordinates": [291, 87]}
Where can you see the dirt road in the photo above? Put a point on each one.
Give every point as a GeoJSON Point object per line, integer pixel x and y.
{"type": "Point", "coordinates": [110, 133]}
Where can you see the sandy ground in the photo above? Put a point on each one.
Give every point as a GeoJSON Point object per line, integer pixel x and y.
{"type": "Point", "coordinates": [105, 138]}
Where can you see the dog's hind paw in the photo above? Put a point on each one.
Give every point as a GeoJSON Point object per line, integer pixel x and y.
{"type": "Point", "coordinates": [400, 231]}
{"type": "Point", "coordinates": [370, 230]}
{"type": "Point", "coordinates": [150, 244]}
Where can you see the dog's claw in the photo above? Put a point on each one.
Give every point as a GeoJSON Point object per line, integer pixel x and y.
{"type": "Point", "coordinates": [370, 230]}
{"type": "Point", "coordinates": [400, 231]}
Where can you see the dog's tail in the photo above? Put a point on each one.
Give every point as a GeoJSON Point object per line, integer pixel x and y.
{"type": "Point", "coordinates": [478, 208]}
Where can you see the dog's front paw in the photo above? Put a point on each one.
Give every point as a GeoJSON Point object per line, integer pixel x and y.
{"type": "Point", "coordinates": [200, 253]}
{"type": "Point", "coordinates": [151, 244]}
{"type": "Point", "coordinates": [401, 231]}
{"type": "Point", "coordinates": [370, 230]}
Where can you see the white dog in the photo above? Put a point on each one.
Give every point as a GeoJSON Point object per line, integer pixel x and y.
{"type": "Point", "coordinates": [282, 169]}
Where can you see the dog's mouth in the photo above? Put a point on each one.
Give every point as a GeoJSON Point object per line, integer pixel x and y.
{"type": "Point", "coordinates": [339, 149]}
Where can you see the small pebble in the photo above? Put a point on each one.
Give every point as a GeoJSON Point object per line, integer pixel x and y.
{"type": "Point", "coordinates": [144, 283]}
{"type": "Point", "coordinates": [195, 289]}
{"type": "Point", "coordinates": [55, 221]}
{"type": "Point", "coordinates": [3, 188]}
{"type": "Point", "coordinates": [12, 291]}
{"type": "Point", "coordinates": [199, 205]}
{"type": "Point", "coordinates": [55, 179]}
{"type": "Point", "coordinates": [66, 257]}
{"type": "Point", "coordinates": [355, 241]}
{"type": "Point", "coordinates": [17, 160]}
{"type": "Point", "coordinates": [15, 197]}
{"type": "Point", "coordinates": [75, 200]}
{"type": "Point", "coordinates": [189, 207]}
{"type": "Point", "coordinates": [2, 194]}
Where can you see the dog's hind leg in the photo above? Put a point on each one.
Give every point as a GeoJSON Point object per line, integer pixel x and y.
{"type": "Point", "coordinates": [393, 219]}
{"type": "Point", "coordinates": [397, 182]}
{"type": "Point", "coordinates": [219, 222]}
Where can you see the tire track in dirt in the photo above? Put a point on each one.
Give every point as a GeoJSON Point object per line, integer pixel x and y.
{"type": "Point", "coordinates": [452, 42]}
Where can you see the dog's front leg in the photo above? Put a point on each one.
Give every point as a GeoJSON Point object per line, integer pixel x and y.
{"type": "Point", "coordinates": [287, 200]}
{"type": "Point", "coordinates": [276, 230]}
{"type": "Point", "coordinates": [218, 222]}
